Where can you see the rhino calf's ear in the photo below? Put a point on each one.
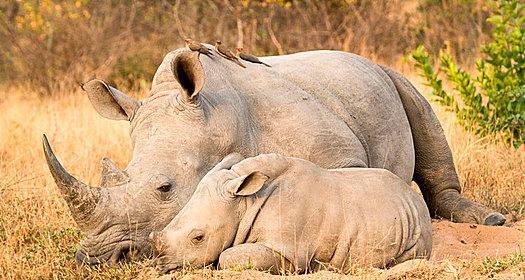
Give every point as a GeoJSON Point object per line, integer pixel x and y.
{"type": "Point", "coordinates": [188, 71]}
{"type": "Point", "coordinates": [110, 102]}
{"type": "Point", "coordinates": [248, 184]}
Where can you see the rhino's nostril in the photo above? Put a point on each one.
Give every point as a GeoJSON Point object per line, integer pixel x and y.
{"type": "Point", "coordinates": [126, 254]}
{"type": "Point", "coordinates": [93, 261]}
{"type": "Point", "coordinates": [80, 258]}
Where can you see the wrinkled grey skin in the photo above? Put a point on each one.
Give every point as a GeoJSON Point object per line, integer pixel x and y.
{"type": "Point", "coordinates": [335, 109]}
{"type": "Point", "coordinates": [283, 214]}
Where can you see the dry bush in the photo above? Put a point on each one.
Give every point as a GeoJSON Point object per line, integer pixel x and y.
{"type": "Point", "coordinates": [460, 26]}
{"type": "Point", "coordinates": [376, 28]}
{"type": "Point", "coordinates": [54, 44]}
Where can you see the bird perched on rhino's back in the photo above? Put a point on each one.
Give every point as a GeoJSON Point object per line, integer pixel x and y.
{"type": "Point", "coordinates": [226, 53]}
{"type": "Point", "coordinates": [248, 57]}
{"type": "Point", "coordinates": [197, 47]}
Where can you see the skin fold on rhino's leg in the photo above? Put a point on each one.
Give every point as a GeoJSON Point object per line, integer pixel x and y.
{"type": "Point", "coordinates": [418, 251]}
{"type": "Point", "coordinates": [255, 256]}
{"type": "Point", "coordinates": [435, 172]}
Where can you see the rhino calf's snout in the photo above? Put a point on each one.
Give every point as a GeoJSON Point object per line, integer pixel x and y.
{"type": "Point", "coordinates": [156, 239]}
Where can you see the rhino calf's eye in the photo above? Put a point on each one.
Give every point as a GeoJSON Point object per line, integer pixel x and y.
{"type": "Point", "coordinates": [198, 239]}
{"type": "Point", "coordinates": [166, 187]}
{"type": "Point", "coordinates": [197, 236]}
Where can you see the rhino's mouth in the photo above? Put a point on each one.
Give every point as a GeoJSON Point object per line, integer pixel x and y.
{"type": "Point", "coordinates": [124, 251]}
{"type": "Point", "coordinates": [118, 253]}
{"type": "Point", "coordinates": [164, 265]}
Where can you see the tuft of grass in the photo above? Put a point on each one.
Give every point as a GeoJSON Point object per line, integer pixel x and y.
{"type": "Point", "coordinates": [492, 266]}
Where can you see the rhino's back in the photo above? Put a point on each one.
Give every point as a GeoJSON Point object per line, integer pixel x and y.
{"type": "Point", "coordinates": [334, 108]}
{"type": "Point", "coordinates": [360, 94]}
{"type": "Point", "coordinates": [368, 215]}
{"type": "Point", "coordinates": [393, 219]}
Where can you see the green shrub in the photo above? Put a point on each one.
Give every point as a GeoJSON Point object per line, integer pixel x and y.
{"type": "Point", "coordinates": [492, 103]}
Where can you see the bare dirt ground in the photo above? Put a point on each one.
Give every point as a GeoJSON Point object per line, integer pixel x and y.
{"type": "Point", "coordinates": [466, 241]}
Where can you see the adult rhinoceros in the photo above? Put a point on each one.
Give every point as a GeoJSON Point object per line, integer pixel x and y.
{"type": "Point", "coordinates": [333, 108]}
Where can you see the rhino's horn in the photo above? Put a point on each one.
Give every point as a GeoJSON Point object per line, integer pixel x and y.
{"type": "Point", "coordinates": [81, 198]}
{"type": "Point", "coordinates": [111, 174]}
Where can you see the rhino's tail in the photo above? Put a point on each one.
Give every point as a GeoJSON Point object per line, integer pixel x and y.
{"type": "Point", "coordinates": [435, 172]}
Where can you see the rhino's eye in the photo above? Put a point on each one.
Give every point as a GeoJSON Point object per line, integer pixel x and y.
{"type": "Point", "coordinates": [197, 236]}
{"type": "Point", "coordinates": [166, 187]}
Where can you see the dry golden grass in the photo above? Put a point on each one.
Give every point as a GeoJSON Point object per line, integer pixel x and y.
{"type": "Point", "coordinates": [38, 238]}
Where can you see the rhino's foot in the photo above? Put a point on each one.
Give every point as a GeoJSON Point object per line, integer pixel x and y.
{"type": "Point", "coordinates": [495, 219]}
{"type": "Point", "coordinates": [450, 204]}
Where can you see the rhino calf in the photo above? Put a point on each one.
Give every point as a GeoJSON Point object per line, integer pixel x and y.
{"type": "Point", "coordinates": [284, 214]}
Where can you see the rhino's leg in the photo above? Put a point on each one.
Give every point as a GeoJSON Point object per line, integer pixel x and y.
{"type": "Point", "coordinates": [421, 250]}
{"type": "Point", "coordinates": [435, 173]}
{"type": "Point", "coordinates": [255, 256]}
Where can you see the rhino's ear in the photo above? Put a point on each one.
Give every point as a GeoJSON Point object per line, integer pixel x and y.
{"type": "Point", "coordinates": [110, 102]}
{"type": "Point", "coordinates": [248, 184]}
{"type": "Point", "coordinates": [188, 71]}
